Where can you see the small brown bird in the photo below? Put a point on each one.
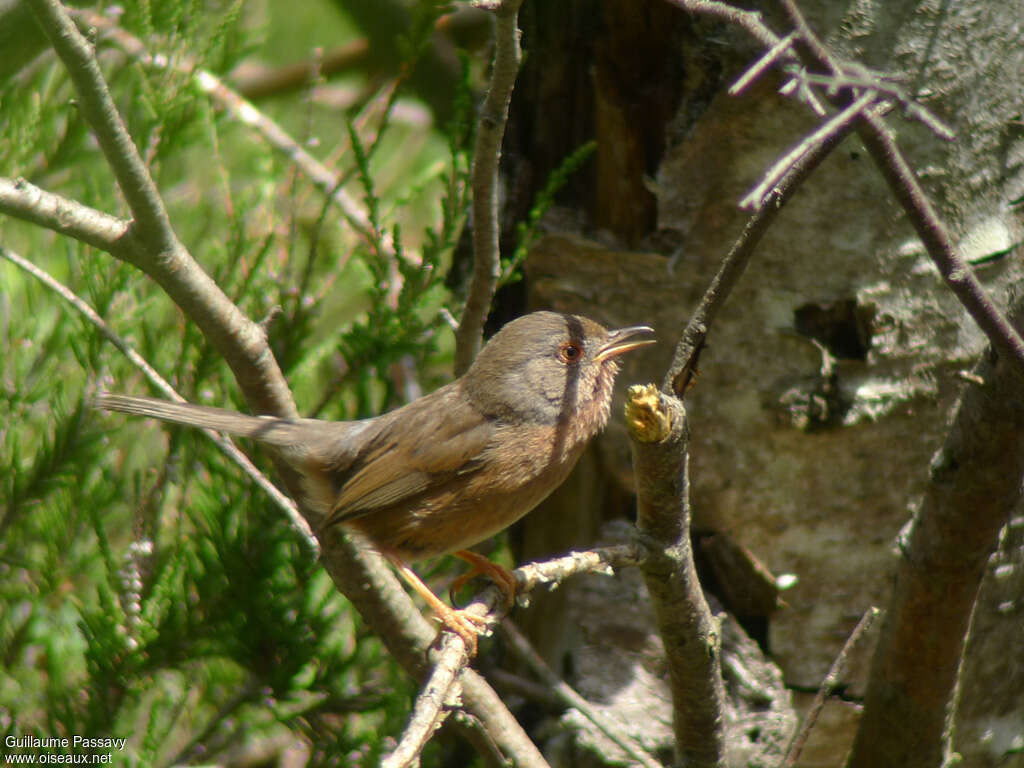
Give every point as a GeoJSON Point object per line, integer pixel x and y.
{"type": "Point", "coordinates": [458, 465]}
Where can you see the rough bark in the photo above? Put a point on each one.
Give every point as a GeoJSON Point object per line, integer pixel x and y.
{"type": "Point", "coordinates": [809, 461]}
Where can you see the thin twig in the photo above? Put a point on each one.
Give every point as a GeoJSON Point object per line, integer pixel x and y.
{"type": "Point", "coordinates": [519, 645]}
{"type": "Point", "coordinates": [832, 679]}
{"type": "Point", "coordinates": [249, 115]}
{"type": "Point", "coordinates": [226, 446]}
{"type": "Point", "coordinates": [531, 690]}
{"type": "Point", "coordinates": [97, 106]}
{"type": "Point", "coordinates": [759, 67]}
{"type": "Point", "coordinates": [684, 363]}
{"type": "Point", "coordinates": [553, 572]}
{"type": "Point", "coordinates": [841, 122]}
{"type": "Point", "coordinates": [484, 180]}
{"type": "Point", "coordinates": [855, 77]}
{"type": "Point", "coordinates": [431, 709]}
{"type": "Point", "coordinates": [752, 21]}
{"type": "Point", "coordinates": [895, 169]}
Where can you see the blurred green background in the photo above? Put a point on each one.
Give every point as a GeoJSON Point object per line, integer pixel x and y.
{"type": "Point", "coordinates": [147, 589]}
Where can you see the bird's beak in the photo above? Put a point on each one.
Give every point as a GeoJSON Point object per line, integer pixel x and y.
{"type": "Point", "coordinates": [622, 341]}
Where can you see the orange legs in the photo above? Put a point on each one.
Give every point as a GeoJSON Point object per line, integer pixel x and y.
{"type": "Point", "coordinates": [465, 625]}
{"type": "Point", "coordinates": [502, 577]}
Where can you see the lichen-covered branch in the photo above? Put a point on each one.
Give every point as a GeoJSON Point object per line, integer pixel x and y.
{"type": "Point", "coordinates": [659, 436]}
{"type": "Point", "coordinates": [448, 664]}
{"type": "Point", "coordinates": [429, 711]}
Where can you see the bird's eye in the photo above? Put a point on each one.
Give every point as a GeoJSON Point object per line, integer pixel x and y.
{"type": "Point", "coordinates": [570, 352]}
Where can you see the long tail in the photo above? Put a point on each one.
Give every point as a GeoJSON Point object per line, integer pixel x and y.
{"type": "Point", "coordinates": [284, 433]}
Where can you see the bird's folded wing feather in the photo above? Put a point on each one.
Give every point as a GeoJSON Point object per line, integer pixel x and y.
{"type": "Point", "coordinates": [412, 455]}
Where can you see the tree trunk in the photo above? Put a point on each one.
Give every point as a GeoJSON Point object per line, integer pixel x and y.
{"type": "Point", "coordinates": [829, 380]}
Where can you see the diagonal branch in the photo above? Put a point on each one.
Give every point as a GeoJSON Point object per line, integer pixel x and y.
{"type": "Point", "coordinates": [101, 114]}
{"type": "Point", "coordinates": [223, 443]}
{"type": "Point", "coordinates": [892, 164]}
{"type": "Point", "coordinates": [903, 183]}
{"type": "Point", "coordinates": [975, 485]}
{"type": "Point", "coordinates": [152, 247]}
{"type": "Point", "coordinates": [521, 647]}
{"type": "Point", "coordinates": [150, 243]}
{"type": "Point", "coordinates": [431, 708]}
{"type": "Point", "coordinates": [249, 115]}
{"type": "Point", "coordinates": [448, 665]}
{"type": "Point", "coordinates": [914, 673]}
{"type": "Point", "coordinates": [684, 363]}
{"type": "Point", "coordinates": [828, 685]}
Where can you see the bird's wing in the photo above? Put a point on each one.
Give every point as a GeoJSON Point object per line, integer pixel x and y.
{"type": "Point", "coordinates": [427, 447]}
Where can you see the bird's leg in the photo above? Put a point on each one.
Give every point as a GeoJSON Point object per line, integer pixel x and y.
{"type": "Point", "coordinates": [502, 577]}
{"type": "Point", "coordinates": [465, 625]}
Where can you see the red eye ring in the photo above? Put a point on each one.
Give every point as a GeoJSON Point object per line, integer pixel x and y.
{"type": "Point", "coordinates": [570, 352]}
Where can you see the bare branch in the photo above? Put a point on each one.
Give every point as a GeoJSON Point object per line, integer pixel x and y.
{"type": "Point", "coordinates": [489, 134]}
{"type": "Point", "coordinates": [684, 362]}
{"type": "Point", "coordinates": [223, 443]}
{"type": "Point", "coordinates": [378, 596]}
{"type": "Point", "coordinates": [98, 108]}
{"type": "Point", "coordinates": [835, 674]}
{"type": "Point", "coordinates": [956, 272]}
{"type": "Point", "coordinates": [25, 201]}
{"type": "Point", "coordinates": [903, 182]}
{"type": "Point", "coordinates": [246, 113]}
{"type": "Point", "coordinates": [760, 66]}
{"type": "Point", "coordinates": [150, 243]}
{"type": "Point", "coordinates": [522, 648]}
{"type": "Point", "coordinates": [751, 21]}
{"type": "Point", "coordinates": [690, 634]}
{"type": "Point", "coordinates": [855, 77]}
{"type": "Point", "coordinates": [894, 168]}
{"type": "Point", "coordinates": [975, 485]}
{"type": "Point", "coordinates": [431, 708]}
{"type": "Point", "coordinates": [553, 572]}
{"type": "Point", "coordinates": [840, 123]}
{"type": "Point", "coordinates": [489, 604]}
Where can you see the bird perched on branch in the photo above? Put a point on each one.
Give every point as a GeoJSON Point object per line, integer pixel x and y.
{"type": "Point", "coordinates": [456, 466]}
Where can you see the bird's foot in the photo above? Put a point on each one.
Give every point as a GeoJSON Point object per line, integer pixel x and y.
{"type": "Point", "coordinates": [504, 579]}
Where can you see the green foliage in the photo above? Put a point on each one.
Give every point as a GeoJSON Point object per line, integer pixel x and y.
{"type": "Point", "coordinates": [526, 231]}
{"type": "Point", "coordinates": [148, 590]}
